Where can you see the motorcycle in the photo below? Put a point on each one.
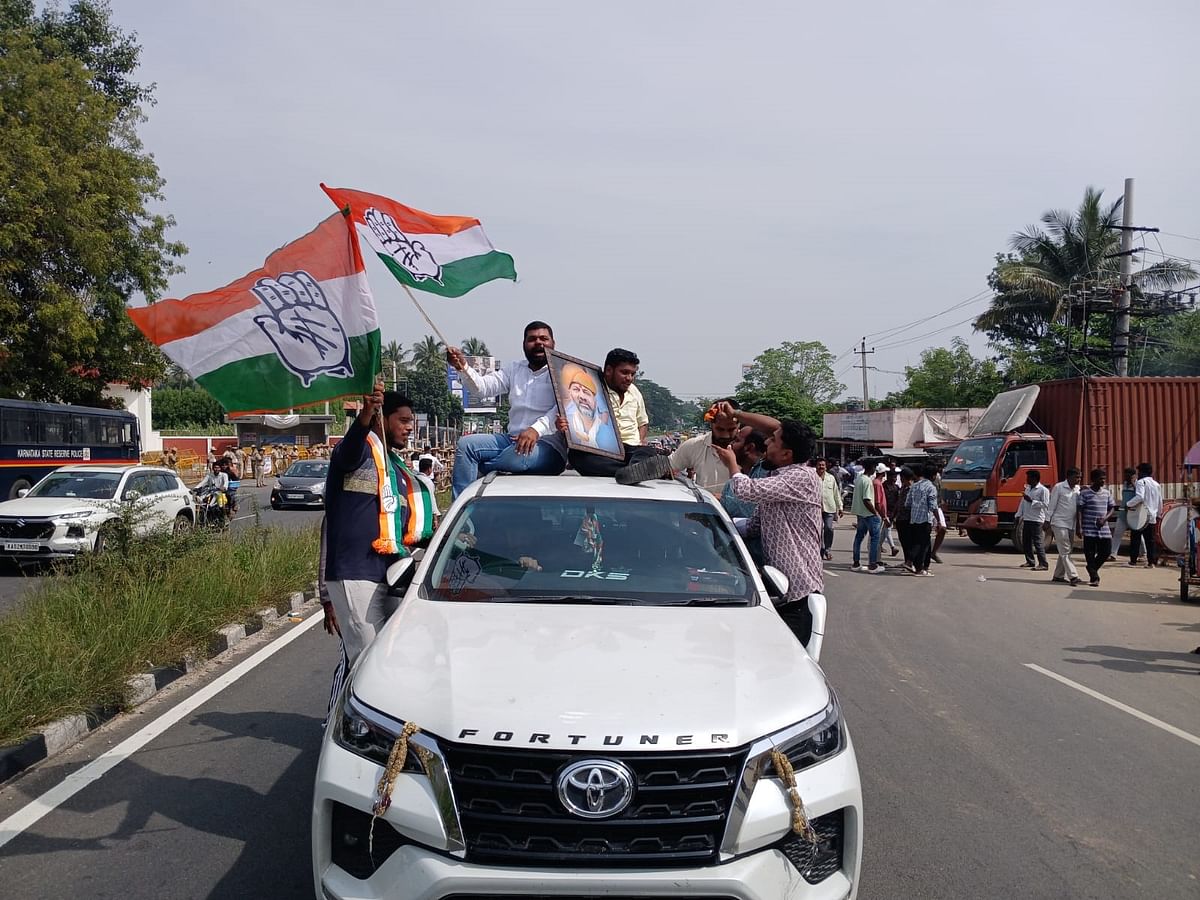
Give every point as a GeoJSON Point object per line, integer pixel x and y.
{"type": "Point", "coordinates": [212, 509]}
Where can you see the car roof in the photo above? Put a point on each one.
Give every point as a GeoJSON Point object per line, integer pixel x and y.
{"type": "Point", "coordinates": [570, 484]}
{"type": "Point", "coordinates": [84, 469]}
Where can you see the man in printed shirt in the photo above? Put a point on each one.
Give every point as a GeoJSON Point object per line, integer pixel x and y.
{"type": "Point", "coordinates": [922, 513]}
{"type": "Point", "coordinates": [533, 445]}
{"type": "Point", "coordinates": [1095, 508]}
{"type": "Point", "coordinates": [788, 517]}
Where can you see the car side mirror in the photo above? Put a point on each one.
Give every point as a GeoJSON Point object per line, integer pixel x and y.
{"type": "Point", "coordinates": [819, 608]}
{"type": "Point", "coordinates": [400, 574]}
{"type": "Point", "coordinates": [22, 492]}
{"type": "Point", "coordinates": [777, 583]}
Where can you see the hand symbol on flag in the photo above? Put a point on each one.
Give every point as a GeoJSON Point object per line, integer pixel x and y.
{"type": "Point", "coordinates": [412, 255]}
{"type": "Point", "coordinates": [307, 335]}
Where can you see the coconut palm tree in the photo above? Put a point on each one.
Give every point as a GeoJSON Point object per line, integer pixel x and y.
{"type": "Point", "coordinates": [1074, 253]}
{"type": "Point", "coordinates": [428, 353]}
{"type": "Point", "coordinates": [394, 358]}
{"type": "Point", "coordinates": [474, 346]}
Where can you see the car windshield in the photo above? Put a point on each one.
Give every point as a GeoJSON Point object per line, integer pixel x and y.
{"type": "Point", "coordinates": [307, 470]}
{"type": "Point", "coordinates": [90, 485]}
{"type": "Point", "coordinates": [575, 550]}
{"type": "Point", "coordinates": [974, 457]}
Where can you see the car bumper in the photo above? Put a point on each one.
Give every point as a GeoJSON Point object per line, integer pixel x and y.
{"type": "Point", "coordinates": [297, 498]}
{"type": "Point", "coordinates": [753, 870]}
{"type": "Point", "coordinates": [57, 547]}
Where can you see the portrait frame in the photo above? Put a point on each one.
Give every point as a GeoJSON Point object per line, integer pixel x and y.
{"type": "Point", "coordinates": [603, 439]}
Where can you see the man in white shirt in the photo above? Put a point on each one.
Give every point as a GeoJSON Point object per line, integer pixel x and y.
{"type": "Point", "coordinates": [1062, 513]}
{"type": "Point", "coordinates": [1147, 492]}
{"type": "Point", "coordinates": [1032, 513]}
{"type": "Point", "coordinates": [438, 465]}
{"type": "Point", "coordinates": [533, 445]}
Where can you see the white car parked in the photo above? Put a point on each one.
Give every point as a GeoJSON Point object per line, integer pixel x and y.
{"type": "Point", "coordinates": [602, 691]}
{"type": "Point", "coordinates": [63, 514]}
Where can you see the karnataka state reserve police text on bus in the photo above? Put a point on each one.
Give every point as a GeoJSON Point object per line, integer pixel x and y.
{"type": "Point", "coordinates": [36, 438]}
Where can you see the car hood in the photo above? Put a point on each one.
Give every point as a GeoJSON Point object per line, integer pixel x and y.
{"type": "Point", "coordinates": [590, 677]}
{"type": "Point", "coordinates": [44, 507]}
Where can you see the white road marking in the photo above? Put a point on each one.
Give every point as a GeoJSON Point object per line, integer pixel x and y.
{"type": "Point", "coordinates": [1116, 704]}
{"type": "Point", "coordinates": [29, 814]}
{"type": "Point", "coordinates": [832, 574]}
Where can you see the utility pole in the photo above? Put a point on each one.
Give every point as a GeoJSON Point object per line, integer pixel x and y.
{"type": "Point", "coordinates": [863, 353]}
{"type": "Point", "coordinates": [1121, 337]}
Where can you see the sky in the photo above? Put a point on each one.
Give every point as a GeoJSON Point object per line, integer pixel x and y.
{"type": "Point", "coordinates": [693, 181]}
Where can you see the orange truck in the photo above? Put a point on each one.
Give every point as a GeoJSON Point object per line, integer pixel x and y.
{"type": "Point", "coordinates": [1050, 427]}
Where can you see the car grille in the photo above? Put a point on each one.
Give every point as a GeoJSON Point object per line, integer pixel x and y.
{"type": "Point", "coordinates": [511, 815]}
{"type": "Point", "coordinates": [26, 529]}
{"type": "Point", "coordinates": [816, 862]}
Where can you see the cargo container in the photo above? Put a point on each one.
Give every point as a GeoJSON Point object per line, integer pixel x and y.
{"type": "Point", "coordinates": [1083, 422]}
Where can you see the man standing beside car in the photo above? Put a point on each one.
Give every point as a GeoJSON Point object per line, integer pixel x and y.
{"type": "Point", "coordinates": [355, 511]}
{"type": "Point", "coordinates": [788, 517]}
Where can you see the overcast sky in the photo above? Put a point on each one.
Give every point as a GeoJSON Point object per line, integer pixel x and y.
{"type": "Point", "coordinates": [694, 181]}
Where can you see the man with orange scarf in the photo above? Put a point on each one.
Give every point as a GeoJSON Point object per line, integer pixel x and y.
{"type": "Point", "coordinates": [375, 511]}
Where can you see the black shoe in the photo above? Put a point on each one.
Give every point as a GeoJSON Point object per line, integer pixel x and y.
{"type": "Point", "coordinates": [644, 470]}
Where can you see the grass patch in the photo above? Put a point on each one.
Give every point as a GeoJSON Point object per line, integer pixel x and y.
{"type": "Point", "coordinates": [92, 624]}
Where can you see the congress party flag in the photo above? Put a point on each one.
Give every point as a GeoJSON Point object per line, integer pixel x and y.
{"type": "Point", "coordinates": [446, 255]}
{"type": "Point", "coordinates": [300, 330]}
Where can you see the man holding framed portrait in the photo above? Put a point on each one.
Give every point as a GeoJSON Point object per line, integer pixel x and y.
{"type": "Point", "coordinates": [603, 416]}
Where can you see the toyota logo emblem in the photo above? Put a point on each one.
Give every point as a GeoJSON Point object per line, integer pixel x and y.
{"type": "Point", "coordinates": [595, 788]}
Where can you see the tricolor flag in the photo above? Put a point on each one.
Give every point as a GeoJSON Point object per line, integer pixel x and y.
{"type": "Point", "coordinates": [299, 330]}
{"type": "Point", "coordinates": [447, 255]}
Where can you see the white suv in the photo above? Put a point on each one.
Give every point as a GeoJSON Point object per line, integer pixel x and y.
{"type": "Point", "coordinates": [63, 514]}
{"type": "Point", "coordinates": [599, 681]}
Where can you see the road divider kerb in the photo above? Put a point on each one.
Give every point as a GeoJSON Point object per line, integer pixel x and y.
{"type": "Point", "coordinates": [64, 733]}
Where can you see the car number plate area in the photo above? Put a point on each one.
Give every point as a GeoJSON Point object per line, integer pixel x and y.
{"type": "Point", "coordinates": [21, 545]}
{"type": "Point", "coordinates": [295, 496]}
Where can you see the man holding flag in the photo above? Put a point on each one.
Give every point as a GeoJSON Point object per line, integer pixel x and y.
{"type": "Point", "coordinates": [533, 445]}
{"type": "Point", "coordinates": [376, 510]}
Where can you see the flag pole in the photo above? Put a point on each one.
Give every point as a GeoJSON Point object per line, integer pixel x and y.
{"type": "Point", "coordinates": [421, 310]}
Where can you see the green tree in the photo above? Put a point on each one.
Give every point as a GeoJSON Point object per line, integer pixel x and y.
{"type": "Point", "coordinates": [1172, 347]}
{"type": "Point", "coordinates": [665, 411]}
{"type": "Point", "coordinates": [430, 393]}
{"type": "Point", "coordinates": [183, 407]}
{"type": "Point", "coordinates": [1073, 254]}
{"type": "Point", "coordinates": [474, 346]}
{"type": "Point", "coordinates": [77, 238]}
{"type": "Point", "coordinates": [783, 402]}
{"type": "Point", "coordinates": [948, 377]}
{"type": "Point", "coordinates": [427, 353]}
{"type": "Point", "coordinates": [803, 369]}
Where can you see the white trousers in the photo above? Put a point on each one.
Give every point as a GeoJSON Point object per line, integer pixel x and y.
{"type": "Point", "coordinates": [1065, 567]}
{"type": "Point", "coordinates": [361, 608]}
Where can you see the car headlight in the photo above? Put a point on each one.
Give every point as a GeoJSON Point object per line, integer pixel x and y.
{"type": "Point", "coordinates": [987, 507]}
{"type": "Point", "coordinates": [817, 741]}
{"type": "Point", "coordinates": [78, 516]}
{"type": "Point", "coordinates": [370, 735]}
{"type": "Point", "coordinates": [318, 488]}
{"type": "Point", "coordinates": [278, 486]}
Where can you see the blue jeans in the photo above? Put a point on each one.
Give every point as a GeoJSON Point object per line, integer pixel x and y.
{"type": "Point", "coordinates": [478, 454]}
{"type": "Point", "coordinates": [867, 525]}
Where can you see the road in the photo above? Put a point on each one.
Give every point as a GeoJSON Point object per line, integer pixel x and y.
{"type": "Point", "coordinates": [16, 581]}
{"type": "Point", "coordinates": [983, 777]}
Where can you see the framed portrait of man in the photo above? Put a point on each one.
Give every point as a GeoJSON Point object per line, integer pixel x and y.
{"type": "Point", "coordinates": [583, 402]}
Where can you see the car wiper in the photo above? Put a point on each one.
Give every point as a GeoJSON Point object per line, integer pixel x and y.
{"type": "Point", "coordinates": [582, 599]}
{"type": "Point", "coordinates": [714, 601]}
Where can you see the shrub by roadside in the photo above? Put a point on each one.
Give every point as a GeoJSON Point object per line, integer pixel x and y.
{"type": "Point", "coordinates": [93, 624]}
